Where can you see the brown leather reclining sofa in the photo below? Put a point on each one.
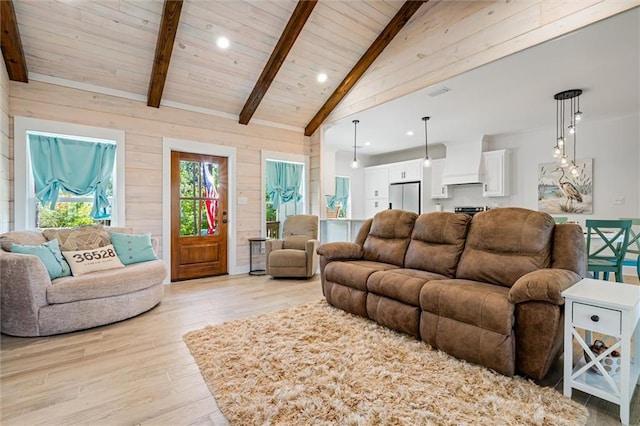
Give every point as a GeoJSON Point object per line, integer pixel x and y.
{"type": "Point", "coordinates": [486, 289]}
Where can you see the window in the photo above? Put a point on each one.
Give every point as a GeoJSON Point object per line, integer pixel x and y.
{"type": "Point", "coordinates": [285, 189]}
{"type": "Point", "coordinates": [70, 209]}
{"type": "Point", "coordinates": [339, 205]}
{"type": "Point", "coordinates": [77, 195]}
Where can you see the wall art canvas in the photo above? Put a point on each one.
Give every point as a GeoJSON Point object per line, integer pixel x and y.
{"type": "Point", "coordinates": [561, 192]}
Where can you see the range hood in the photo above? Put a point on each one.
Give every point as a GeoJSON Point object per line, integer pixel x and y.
{"type": "Point", "coordinates": [463, 163]}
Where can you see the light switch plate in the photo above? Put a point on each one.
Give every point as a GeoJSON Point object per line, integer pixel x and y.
{"type": "Point", "coordinates": [242, 200]}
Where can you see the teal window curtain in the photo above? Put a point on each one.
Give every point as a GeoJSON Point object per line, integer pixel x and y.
{"type": "Point", "coordinates": [73, 166]}
{"type": "Point", "coordinates": [284, 181]}
{"type": "Point", "coordinates": [342, 194]}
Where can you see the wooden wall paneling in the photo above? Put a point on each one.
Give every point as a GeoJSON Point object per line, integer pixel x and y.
{"type": "Point", "coordinates": [381, 85]}
{"type": "Point", "coordinates": [43, 93]}
{"type": "Point", "coordinates": [144, 133]}
{"type": "Point", "coordinates": [6, 156]}
{"type": "Point", "coordinates": [167, 122]}
{"type": "Point", "coordinates": [438, 30]}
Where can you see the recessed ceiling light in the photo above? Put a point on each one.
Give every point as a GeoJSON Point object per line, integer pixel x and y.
{"type": "Point", "coordinates": [367, 143]}
{"type": "Point", "coordinates": [409, 133]}
{"type": "Point", "coordinates": [222, 42]}
{"type": "Point", "coordinates": [322, 77]}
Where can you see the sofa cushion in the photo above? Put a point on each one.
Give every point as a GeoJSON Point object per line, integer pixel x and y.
{"type": "Point", "coordinates": [92, 260]}
{"type": "Point", "coordinates": [353, 273]}
{"type": "Point", "coordinates": [50, 255]}
{"type": "Point", "coordinates": [389, 236]}
{"type": "Point", "coordinates": [287, 258]}
{"type": "Point", "coordinates": [437, 241]}
{"type": "Point", "coordinates": [108, 283]}
{"type": "Point", "coordinates": [133, 248]}
{"type": "Point", "coordinates": [504, 244]}
{"type": "Point", "coordinates": [483, 305]}
{"type": "Point", "coordinates": [27, 238]}
{"type": "Point", "coordinates": [79, 238]}
{"type": "Point", "coordinates": [403, 285]}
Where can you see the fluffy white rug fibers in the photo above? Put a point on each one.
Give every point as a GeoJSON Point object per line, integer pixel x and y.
{"type": "Point", "coordinates": [314, 364]}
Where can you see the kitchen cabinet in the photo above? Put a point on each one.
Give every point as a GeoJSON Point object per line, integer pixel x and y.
{"type": "Point", "coordinates": [406, 171]}
{"type": "Point", "coordinates": [376, 184]}
{"type": "Point", "coordinates": [494, 172]}
{"type": "Point", "coordinates": [438, 190]}
{"type": "Point", "coordinates": [373, 206]}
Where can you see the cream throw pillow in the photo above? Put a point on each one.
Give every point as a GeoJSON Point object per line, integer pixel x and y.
{"type": "Point", "coordinates": [92, 260]}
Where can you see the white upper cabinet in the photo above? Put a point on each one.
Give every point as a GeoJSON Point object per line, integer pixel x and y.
{"type": "Point", "coordinates": [407, 171]}
{"type": "Point", "coordinates": [376, 182]}
{"type": "Point", "coordinates": [376, 189]}
{"type": "Point", "coordinates": [495, 176]}
{"type": "Point", "coordinates": [438, 190]}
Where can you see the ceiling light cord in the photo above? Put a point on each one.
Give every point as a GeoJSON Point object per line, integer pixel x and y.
{"type": "Point", "coordinates": [355, 163]}
{"type": "Point", "coordinates": [427, 159]}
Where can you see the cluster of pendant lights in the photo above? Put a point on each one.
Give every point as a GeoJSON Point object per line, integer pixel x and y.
{"type": "Point", "coordinates": [355, 163]}
{"type": "Point", "coordinates": [559, 151]}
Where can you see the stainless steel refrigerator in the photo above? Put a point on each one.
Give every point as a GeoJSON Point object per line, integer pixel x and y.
{"type": "Point", "coordinates": [405, 196]}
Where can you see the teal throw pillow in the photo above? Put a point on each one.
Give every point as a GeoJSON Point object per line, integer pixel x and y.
{"type": "Point", "coordinates": [49, 253]}
{"type": "Point", "coordinates": [132, 248]}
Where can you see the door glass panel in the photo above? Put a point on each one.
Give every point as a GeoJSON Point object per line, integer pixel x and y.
{"type": "Point", "coordinates": [189, 178]}
{"type": "Point", "coordinates": [189, 217]}
{"type": "Point", "coordinates": [210, 203]}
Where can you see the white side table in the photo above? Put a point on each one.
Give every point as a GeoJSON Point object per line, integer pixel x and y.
{"type": "Point", "coordinates": [612, 309]}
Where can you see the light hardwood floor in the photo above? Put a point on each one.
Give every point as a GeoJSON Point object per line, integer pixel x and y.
{"type": "Point", "coordinates": [140, 372]}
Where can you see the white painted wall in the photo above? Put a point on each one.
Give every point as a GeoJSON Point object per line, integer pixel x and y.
{"type": "Point", "coordinates": [614, 145]}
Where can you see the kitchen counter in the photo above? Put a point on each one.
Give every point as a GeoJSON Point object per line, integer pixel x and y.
{"type": "Point", "coordinates": [333, 230]}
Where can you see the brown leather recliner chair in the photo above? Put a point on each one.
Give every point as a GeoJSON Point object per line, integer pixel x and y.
{"type": "Point", "coordinates": [295, 254]}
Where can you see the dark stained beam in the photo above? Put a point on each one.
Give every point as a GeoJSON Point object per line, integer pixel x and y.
{"type": "Point", "coordinates": [164, 47]}
{"type": "Point", "coordinates": [390, 31]}
{"type": "Point", "coordinates": [287, 39]}
{"type": "Point", "coordinates": [11, 44]}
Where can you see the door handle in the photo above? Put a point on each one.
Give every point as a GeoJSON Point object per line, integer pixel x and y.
{"type": "Point", "coordinates": [375, 204]}
{"type": "Point", "coordinates": [442, 189]}
{"type": "Point", "coordinates": [375, 192]}
{"type": "Point", "coordinates": [485, 187]}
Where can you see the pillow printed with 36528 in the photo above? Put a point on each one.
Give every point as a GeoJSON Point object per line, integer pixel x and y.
{"type": "Point", "coordinates": [92, 260]}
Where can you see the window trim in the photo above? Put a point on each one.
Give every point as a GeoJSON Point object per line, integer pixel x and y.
{"type": "Point", "coordinates": [24, 199]}
{"type": "Point", "coordinates": [282, 157]}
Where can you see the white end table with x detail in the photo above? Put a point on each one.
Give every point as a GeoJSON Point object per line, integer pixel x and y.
{"type": "Point", "coordinates": [612, 309]}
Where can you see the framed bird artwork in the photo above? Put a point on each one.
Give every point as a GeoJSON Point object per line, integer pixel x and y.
{"type": "Point", "coordinates": [562, 191]}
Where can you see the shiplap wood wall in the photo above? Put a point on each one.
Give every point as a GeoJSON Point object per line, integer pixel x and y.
{"type": "Point", "coordinates": [6, 156]}
{"type": "Point", "coordinates": [447, 38]}
{"type": "Point", "coordinates": [145, 127]}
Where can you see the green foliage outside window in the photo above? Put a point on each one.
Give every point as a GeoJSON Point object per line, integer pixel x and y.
{"type": "Point", "coordinates": [65, 215]}
{"type": "Point", "coordinates": [272, 214]}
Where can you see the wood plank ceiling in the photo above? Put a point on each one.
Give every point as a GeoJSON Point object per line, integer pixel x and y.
{"type": "Point", "coordinates": [112, 45]}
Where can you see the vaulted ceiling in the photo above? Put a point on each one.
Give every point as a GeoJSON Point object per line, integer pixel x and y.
{"type": "Point", "coordinates": [165, 53]}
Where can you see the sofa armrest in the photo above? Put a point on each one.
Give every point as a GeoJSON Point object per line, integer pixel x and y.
{"type": "Point", "coordinates": [544, 285]}
{"type": "Point", "coordinates": [341, 251]}
{"type": "Point", "coordinates": [310, 248]}
{"type": "Point", "coordinates": [23, 291]}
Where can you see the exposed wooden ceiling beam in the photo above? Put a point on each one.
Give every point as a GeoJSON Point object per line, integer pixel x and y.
{"type": "Point", "coordinates": [287, 39]}
{"type": "Point", "coordinates": [11, 44]}
{"type": "Point", "coordinates": [390, 31]}
{"type": "Point", "coordinates": [164, 47]}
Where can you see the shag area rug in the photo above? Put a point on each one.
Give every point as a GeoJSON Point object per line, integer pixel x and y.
{"type": "Point", "coordinates": [315, 364]}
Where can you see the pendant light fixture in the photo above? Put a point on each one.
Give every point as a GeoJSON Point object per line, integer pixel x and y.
{"type": "Point", "coordinates": [575, 115]}
{"type": "Point", "coordinates": [427, 159]}
{"type": "Point", "coordinates": [355, 163]}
